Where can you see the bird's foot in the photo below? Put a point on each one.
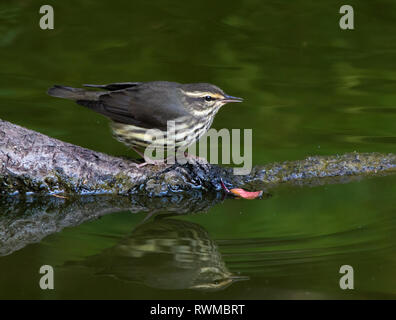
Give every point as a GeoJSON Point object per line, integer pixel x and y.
{"type": "Point", "coordinates": [148, 161]}
{"type": "Point", "coordinates": [171, 159]}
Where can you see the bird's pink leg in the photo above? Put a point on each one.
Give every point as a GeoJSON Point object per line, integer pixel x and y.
{"type": "Point", "coordinates": [147, 160]}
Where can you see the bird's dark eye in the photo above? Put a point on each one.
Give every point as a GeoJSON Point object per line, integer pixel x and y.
{"type": "Point", "coordinates": [208, 98]}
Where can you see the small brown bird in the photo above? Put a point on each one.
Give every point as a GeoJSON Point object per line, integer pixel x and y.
{"type": "Point", "coordinates": [137, 107]}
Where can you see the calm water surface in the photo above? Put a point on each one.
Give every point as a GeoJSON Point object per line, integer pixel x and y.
{"type": "Point", "coordinates": [310, 89]}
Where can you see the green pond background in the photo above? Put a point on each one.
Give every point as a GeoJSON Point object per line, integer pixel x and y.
{"type": "Point", "coordinates": [310, 88]}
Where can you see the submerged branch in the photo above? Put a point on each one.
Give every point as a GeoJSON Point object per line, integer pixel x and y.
{"type": "Point", "coordinates": [31, 162]}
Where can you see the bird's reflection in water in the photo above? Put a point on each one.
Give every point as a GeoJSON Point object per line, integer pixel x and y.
{"type": "Point", "coordinates": [168, 254]}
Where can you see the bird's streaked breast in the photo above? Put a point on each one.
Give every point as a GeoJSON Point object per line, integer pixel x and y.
{"type": "Point", "coordinates": [186, 132]}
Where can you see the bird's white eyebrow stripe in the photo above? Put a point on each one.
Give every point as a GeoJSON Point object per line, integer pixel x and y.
{"type": "Point", "coordinates": [196, 94]}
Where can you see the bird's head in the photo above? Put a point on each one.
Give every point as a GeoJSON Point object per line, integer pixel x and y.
{"type": "Point", "coordinates": [204, 99]}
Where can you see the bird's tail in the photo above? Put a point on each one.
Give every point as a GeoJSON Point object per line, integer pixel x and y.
{"type": "Point", "coordinates": [73, 93]}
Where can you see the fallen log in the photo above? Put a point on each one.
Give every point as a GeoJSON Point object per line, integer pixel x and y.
{"type": "Point", "coordinates": [31, 162]}
{"type": "Point", "coordinates": [34, 166]}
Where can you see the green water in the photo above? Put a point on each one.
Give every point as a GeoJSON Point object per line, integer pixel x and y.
{"type": "Point", "coordinates": [310, 88]}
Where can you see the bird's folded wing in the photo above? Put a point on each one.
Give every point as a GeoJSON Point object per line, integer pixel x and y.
{"type": "Point", "coordinates": [129, 106]}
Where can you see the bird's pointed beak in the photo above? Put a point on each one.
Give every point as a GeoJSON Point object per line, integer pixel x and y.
{"type": "Point", "coordinates": [228, 99]}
